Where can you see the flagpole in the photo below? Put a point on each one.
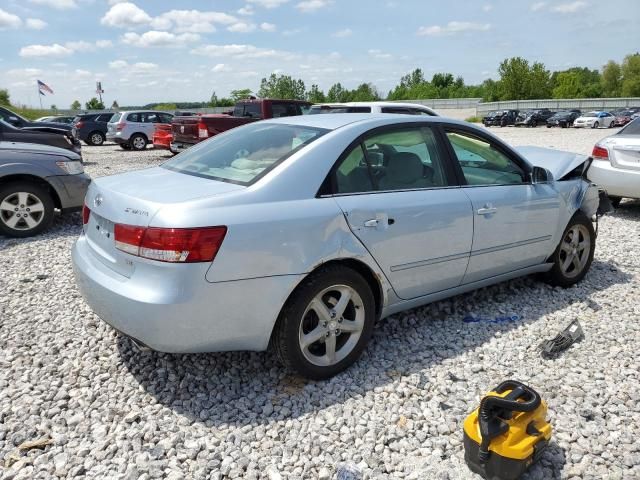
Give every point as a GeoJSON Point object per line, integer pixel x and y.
{"type": "Point", "coordinates": [39, 94]}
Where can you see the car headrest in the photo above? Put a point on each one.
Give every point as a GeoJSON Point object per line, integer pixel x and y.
{"type": "Point", "coordinates": [404, 168]}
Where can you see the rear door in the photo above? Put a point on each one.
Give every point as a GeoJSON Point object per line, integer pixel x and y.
{"type": "Point", "coordinates": [513, 220]}
{"type": "Point", "coordinates": [399, 197]}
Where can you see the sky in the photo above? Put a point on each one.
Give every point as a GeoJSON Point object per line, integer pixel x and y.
{"type": "Point", "coordinates": [147, 51]}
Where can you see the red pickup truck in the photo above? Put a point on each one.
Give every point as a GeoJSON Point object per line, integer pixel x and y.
{"type": "Point", "coordinates": [188, 131]}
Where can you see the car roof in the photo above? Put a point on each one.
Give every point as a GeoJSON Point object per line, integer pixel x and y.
{"type": "Point", "coordinates": [333, 121]}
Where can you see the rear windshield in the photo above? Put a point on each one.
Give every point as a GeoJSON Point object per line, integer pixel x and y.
{"type": "Point", "coordinates": [243, 155]}
{"type": "Point", "coordinates": [338, 109]}
{"type": "Point", "coordinates": [115, 117]}
{"type": "Point", "coordinates": [632, 128]}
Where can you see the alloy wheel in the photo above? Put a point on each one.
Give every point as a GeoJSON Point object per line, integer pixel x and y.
{"type": "Point", "coordinates": [21, 211]}
{"type": "Point", "coordinates": [331, 325]}
{"type": "Point", "coordinates": [574, 251]}
{"type": "Point", "coordinates": [96, 139]}
{"type": "Point", "coordinates": [139, 143]}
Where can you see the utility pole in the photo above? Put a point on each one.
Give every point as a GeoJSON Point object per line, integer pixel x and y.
{"type": "Point", "coordinates": [99, 90]}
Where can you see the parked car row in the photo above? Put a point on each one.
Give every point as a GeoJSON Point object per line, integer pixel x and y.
{"type": "Point", "coordinates": [564, 119]}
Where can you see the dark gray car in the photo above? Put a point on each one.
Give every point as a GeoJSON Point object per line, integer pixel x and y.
{"type": "Point", "coordinates": [36, 181]}
{"type": "Point", "coordinates": [92, 127]}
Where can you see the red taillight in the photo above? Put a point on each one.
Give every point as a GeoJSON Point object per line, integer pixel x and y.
{"type": "Point", "coordinates": [120, 126]}
{"type": "Point", "coordinates": [203, 131]}
{"type": "Point", "coordinates": [176, 245]}
{"type": "Point", "coordinates": [600, 153]}
{"type": "Point", "coordinates": [85, 214]}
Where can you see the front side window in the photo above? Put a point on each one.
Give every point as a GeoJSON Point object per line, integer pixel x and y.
{"type": "Point", "coordinates": [482, 163]}
{"type": "Point", "coordinates": [400, 159]}
{"type": "Point", "coordinates": [244, 154]}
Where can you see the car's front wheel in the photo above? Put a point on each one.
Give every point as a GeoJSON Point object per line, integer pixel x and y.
{"type": "Point", "coordinates": [574, 254]}
{"type": "Point", "coordinates": [595, 125]}
{"type": "Point", "coordinates": [96, 139]}
{"type": "Point", "coordinates": [26, 209]}
{"type": "Point", "coordinates": [326, 323]}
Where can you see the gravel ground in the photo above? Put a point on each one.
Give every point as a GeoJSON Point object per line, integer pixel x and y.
{"type": "Point", "coordinates": [102, 410]}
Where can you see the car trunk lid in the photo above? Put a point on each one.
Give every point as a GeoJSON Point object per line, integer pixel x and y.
{"type": "Point", "coordinates": [133, 199]}
{"type": "Point", "coordinates": [185, 129]}
{"type": "Point", "coordinates": [624, 152]}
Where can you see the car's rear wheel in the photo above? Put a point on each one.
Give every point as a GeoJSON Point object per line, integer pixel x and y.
{"type": "Point", "coordinates": [96, 138]}
{"type": "Point", "coordinates": [138, 142]}
{"type": "Point", "coordinates": [534, 123]}
{"type": "Point", "coordinates": [326, 323]}
{"type": "Point", "coordinates": [574, 254]}
{"type": "Point", "coordinates": [595, 125]}
{"type": "Point", "coordinates": [25, 209]}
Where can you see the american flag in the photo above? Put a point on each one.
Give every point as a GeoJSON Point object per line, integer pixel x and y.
{"type": "Point", "coordinates": [43, 86]}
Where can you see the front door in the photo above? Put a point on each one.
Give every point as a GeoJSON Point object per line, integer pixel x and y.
{"type": "Point", "coordinates": [514, 220]}
{"type": "Point", "coordinates": [397, 197]}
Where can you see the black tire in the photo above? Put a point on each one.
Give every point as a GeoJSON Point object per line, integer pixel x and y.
{"type": "Point", "coordinates": [138, 142]}
{"type": "Point", "coordinates": [95, 138]}
{"type": "Point", "coordinates": [9, 193]}
{"type": "Point", "coordinates": [557, 276]}
{"type": "Point", "coordinates": [534, 124]}
{"type": "Point", "coordinates": [595, 125]}
{"type": "Point", "coordinates": [548, 126]}
{"type": "Point", "coordinates": [125, 146]}
{"type": "Point", "coordinates": [615, 201]}
{"type": "Point", "coordinates": [285, 337]}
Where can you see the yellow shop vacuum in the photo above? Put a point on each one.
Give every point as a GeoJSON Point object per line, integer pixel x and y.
{"type": "Point", "coordinates": [507, 433]}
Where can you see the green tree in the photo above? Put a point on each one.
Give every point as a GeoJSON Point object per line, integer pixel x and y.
{"type": "Point", "coordinates": [611, 79]}
{"type": "Point", "coordinates": [337, 94]}
{"type": "Point", "coordinates": [364, 92]}
{"type": "Point", "coordinates": [282, 86]}
{"type": "Point", "coordinates": [166, 107]}
{"type": "Point", "coordinates": [76, 105]}
{"type": "Point", "coordinates": [576, 82]}
{"type": "Point", "coordinates": [4, 96]}
{"type": "Point", "coordinates": [443, 80]}
{"type": "Point", "coordinates": [490, 90]}
{"type": "Point", "coordinates": [539, 82]}
{"type": "Point", "coordinates": [242, 94]}
{"type": "Point", "coordinates": [315, 95]}
{"type": "Point", "coordinates": [631, 75]}
{"type": "Point", "coordinates": [94, 104]}
{"type": "Point", "coordinates": [514, 79]}
{"type": "Point", "coordinates": [213, 101]}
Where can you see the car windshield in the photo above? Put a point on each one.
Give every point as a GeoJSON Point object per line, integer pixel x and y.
{"type": "Point", "coordinates": [243, 155]}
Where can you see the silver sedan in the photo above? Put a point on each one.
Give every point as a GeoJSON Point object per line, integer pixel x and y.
{"type": "Point", "coordinates": [298, 233]}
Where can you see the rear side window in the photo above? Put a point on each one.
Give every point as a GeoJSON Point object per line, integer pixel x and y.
{"type": "Point", "coordinates": [285, 110]}
{"type": "Point", "coordinates": [134, 117]}
{"type": "Point", "coordinates": [400, 159]}
{"type": "Point", "coordinates": [115, 117]}
{"type": "Point", "coordinates": [165, 117]}
{"type": "Point", "coordinates": [400, 110]}
{"type": "Point", "coordinates": [150, 117]}
{"type": "Point", "coordinates": [632, 128]}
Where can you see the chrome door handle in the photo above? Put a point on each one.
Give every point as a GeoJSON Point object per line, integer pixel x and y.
{"type": "Point", "coordinates": [488, 209]}
{"type": "Point", "coordinates": [371, 223]}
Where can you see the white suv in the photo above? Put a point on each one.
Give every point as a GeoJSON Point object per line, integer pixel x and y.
{"type": "Point", "coordinates": [373, 107]}
{"type": "Point", "coordinates": [134, 130]}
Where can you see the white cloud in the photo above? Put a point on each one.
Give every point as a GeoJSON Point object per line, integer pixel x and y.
{"type": "Point", "coordinates": [375, 53]}
{"type": "Point", "coordinates": [146, 66]}
{"type": "Point", "coordinates": [192, 21]}
{"type": "Point", "coordinates": [308, 6]}
{"type": "Point", "coordinates": [9, 20]}
{"type": "Point", "coordinates": [154, 38]}
{"type": "Point", "coordinates": [35, 24]}
{"type": "Point", "coordinates": [242, 27]}
{"type": "Point", "coordinates": [538, 6]}
{"type": "Point", "coordinates": [291, 32]}
{"type": "Point", "coordinates": [55, 50]}
{"type": "Point", "coordinates": [80, 46]}
{"type": "Point", "coordinates": [239, 51]}
{"type": "Point", "coordinates": [487, 8]}
{"type": "Point", "coordinates": [221, 67]}
{"type": "Point", "coordinates": [268, 3]}
{"type": "Point", "coordinates": [246, 10]}
{"type": "Point", "coordinates": [116, 64]}
{"type": "Point", "coordinates": [104, 43]}
{"type": "Point", "coordinates": [570, 7]}
{"type": "Point", "coordinates": [139, 67]}
{"type": "Point", "coordinates": [453, 28]}
{"type": "Point", "coordinates": [57, 4]}
{"type": "Point", "coordinates": [268, 27]}
{"type": "Point", "coordinates": [83, 73]}
{"type": "Point", "coordinates": [125, 15]}
{"type": "Point", "coordinates": [347, 32]}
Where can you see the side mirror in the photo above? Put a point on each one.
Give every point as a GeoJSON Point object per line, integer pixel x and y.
{"type": "Point", "coordinates": [541, 175]}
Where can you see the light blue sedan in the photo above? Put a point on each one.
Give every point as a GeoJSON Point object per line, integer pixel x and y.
{"type": "Point", "coordinates": [298, 233]}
